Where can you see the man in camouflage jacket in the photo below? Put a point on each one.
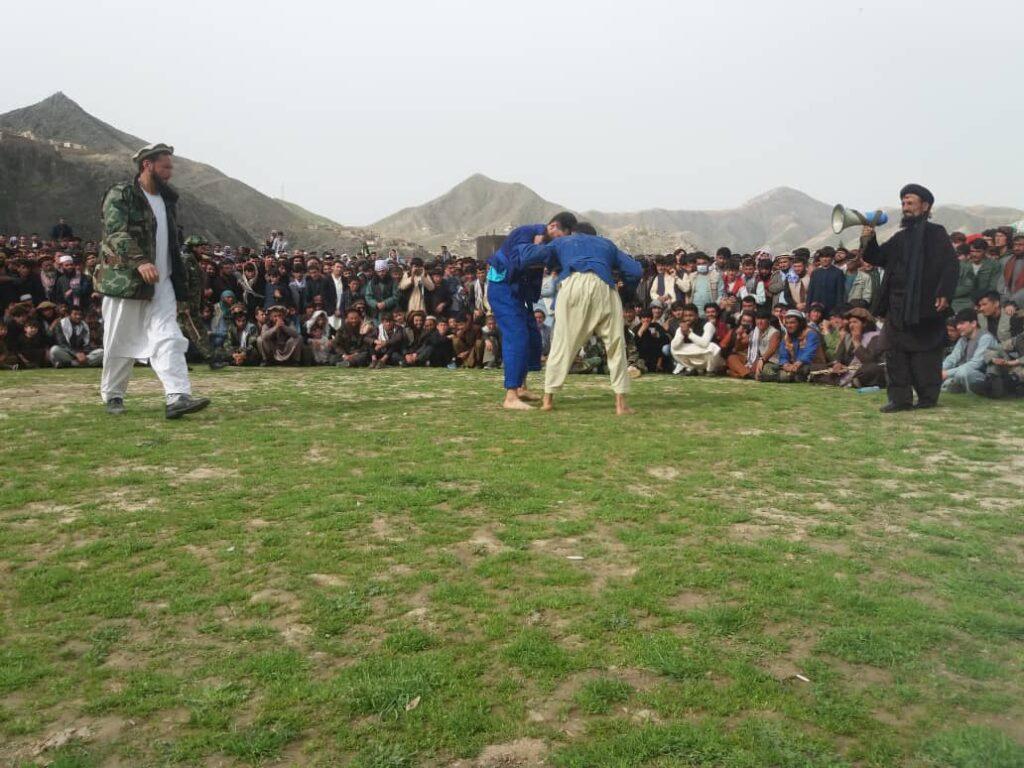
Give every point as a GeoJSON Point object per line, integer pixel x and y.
{"type": "Point", "coordinates": [142, 278]}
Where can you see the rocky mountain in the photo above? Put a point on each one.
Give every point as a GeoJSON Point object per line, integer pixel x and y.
{"type": "Point", "coordinates": [781, 219]}
{"type": "Point", "coordinates": [477, 206]}
{"type": "Point", "coordinates": [57, 159]}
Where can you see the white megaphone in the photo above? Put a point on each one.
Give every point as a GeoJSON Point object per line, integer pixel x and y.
{"type": "Point", "coordinates": [843, 218]}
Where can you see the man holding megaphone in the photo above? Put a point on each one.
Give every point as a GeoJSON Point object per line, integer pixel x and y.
{"type": "Point", "coordinates": [920, 276]}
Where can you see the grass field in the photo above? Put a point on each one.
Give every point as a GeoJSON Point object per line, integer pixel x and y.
{"type": "Point", "coordinates": [383, 569]}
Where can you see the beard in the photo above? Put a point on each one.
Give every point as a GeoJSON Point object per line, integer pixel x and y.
{"type": "Point", "coordinates": [908, 221]}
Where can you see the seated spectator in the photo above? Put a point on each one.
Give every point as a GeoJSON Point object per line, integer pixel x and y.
{"type": "Point", "coordinates": [653, 343]}
{"type": "Point", "coordinates": [963, 370]}
{"type": "Point", "coordinates": [280, 343]}
{"type": "Point", "coordinates": [591, 358]}
{"type": "Point", "coordinates": [1004, 376]}
{"type": "Point", "coordinates": [800, 352]}
{"type": "Point", "coordinates": [388, 344]}
{"type": "Point", "coordinates": [834, 334]}
{"type": "Point", "coordinates": [540, 316]}
{"type": "Point", "coordinates": [468, 343]}
{"type": "Point", "coordinates": [491, 336]}
{"type": "Point", "coordinates": [73, 345]}
{"type": "Point", "coordinates": [441, 352]}
{"type": "Point", "coordinates": [991, 317]}
{"type": "Point", "coordinates": [741, 355]}
{"type": "Point", "coordinates": [766, 339]}
{"type": "Point", "coordinates": [693, 348]}
{"type": "Point", "coordinates": [8, 360]}
{"type": "Point", "coordinates": [860, 360]}
{"type": "Point", "coordinates": [242, 338]}
{"type": "Point", "coordinates": [321, 350]}
{"type": "Point", "coordinates": [24, 338]}
{"type": "Point", "coordinates": [352, 346]}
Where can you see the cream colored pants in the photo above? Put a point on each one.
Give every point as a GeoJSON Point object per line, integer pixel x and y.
{"type": "Point", "coordinates": [586, 305]}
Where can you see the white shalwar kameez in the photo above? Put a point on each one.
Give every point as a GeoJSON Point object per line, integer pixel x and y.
{"type": "Point", "coordinates": [141, 330]}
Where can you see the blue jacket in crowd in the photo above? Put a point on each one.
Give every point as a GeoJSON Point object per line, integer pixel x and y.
{"type": "Point", "coordinates": [828, 288]}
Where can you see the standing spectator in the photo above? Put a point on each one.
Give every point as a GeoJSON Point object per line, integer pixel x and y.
{"type": "Point", "coordinates": [666, 288]}
{"type": "Point", "coordinates": [72, 286]}
{"type": "Point", "coordinates": [1011, 282]}
{"type": "Point", "coordinates": [828, 283]}
{"type": "Point", "coordinates": [978, 274]}
{"type": "Point", "coordinates": [27, 283]}
{"type": "Point", "coordinates": [279, 244]}
{"type": "Point", "coordinates": [61, 230]}
{"type": "Point", "coordinates": [417, 286]}
{"type": "Point", "coordinates": [381, 292]}
{"type": "Point", "coordinates": [317, 285]}
{"type": "Point", "coordinates": [858, 283]}
{"type": "Point", "coordinates": [476, 294]}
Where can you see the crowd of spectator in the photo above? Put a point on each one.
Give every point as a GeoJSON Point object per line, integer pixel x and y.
{"type": "Point", "coordinates": [790, 317]}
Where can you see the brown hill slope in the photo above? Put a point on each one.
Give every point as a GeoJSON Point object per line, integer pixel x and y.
{"type": "Point", "coordinates": [43, 178]}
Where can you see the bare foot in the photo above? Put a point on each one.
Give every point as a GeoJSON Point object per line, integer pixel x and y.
{"type": "Point", "coordinates": [525, 394]}
{"type": "Point", "coordinates": [621, 409]}
{"type": "Point", "coordinates": [548, 404]}
{"type": "Point", "coordinates": [516, 405]}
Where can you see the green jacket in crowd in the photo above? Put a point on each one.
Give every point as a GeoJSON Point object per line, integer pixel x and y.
{"type": "Point", "coordinates": [970, 285]}
{"type": "Point", "coordinates": [129, 241]}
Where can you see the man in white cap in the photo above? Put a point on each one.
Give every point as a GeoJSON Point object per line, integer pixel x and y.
{"type": "Point", "coordinates": [142, 278]}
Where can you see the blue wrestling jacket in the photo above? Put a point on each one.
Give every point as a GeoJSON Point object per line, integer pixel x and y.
{"type": "Point", "coordinates": [505, 264]}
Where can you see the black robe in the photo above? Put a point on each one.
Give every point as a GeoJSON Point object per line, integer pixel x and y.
{"type": "Point", "coordinates": [938, 279]}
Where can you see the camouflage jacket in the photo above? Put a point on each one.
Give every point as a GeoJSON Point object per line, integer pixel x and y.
{"type": "Point", "coordinates": [129, 241]}
{"type": "Point", "coordinates": [195, 282]}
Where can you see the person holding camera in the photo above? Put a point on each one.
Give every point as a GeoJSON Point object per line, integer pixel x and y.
{"type": "Point", "coordinates": [416, 285]}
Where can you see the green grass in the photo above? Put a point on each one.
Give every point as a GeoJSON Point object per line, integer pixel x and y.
{"type": "Point", "coordinates": [384, 569]}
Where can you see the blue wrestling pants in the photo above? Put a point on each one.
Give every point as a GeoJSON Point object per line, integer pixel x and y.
{"type": "Point", "coordinates": [520, 338]}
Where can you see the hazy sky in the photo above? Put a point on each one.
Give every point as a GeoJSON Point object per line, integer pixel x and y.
{"type": "Point", "coordinates": [359, 109]}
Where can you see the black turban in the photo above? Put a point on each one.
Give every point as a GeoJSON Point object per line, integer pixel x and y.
{"type": "Point", "coordinates": [917, 189]}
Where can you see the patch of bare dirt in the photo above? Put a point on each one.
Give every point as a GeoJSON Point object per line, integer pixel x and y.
{"type": "Point", "coordinates": [482, 543]}
{"type": "Point", "coordinates": [521, 753]}
{"type": "Point", "coordinates": [328, 579]}
{"type": "Point", "coordinates": [275, 597]}
{"type": "Point", "coordinates": [316, 455]}
{"type": "Point", "coordinates": [663, 473]}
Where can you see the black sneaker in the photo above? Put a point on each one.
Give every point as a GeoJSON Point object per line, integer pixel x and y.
{"type": "Point", "coordinates": [115, 406]}
{"type": "Point", "coordinates": [892, 407]}
{"type": "Point", "coordinates": [923, 405]}
{"type": "Point", "coordinates": [185, 404]}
